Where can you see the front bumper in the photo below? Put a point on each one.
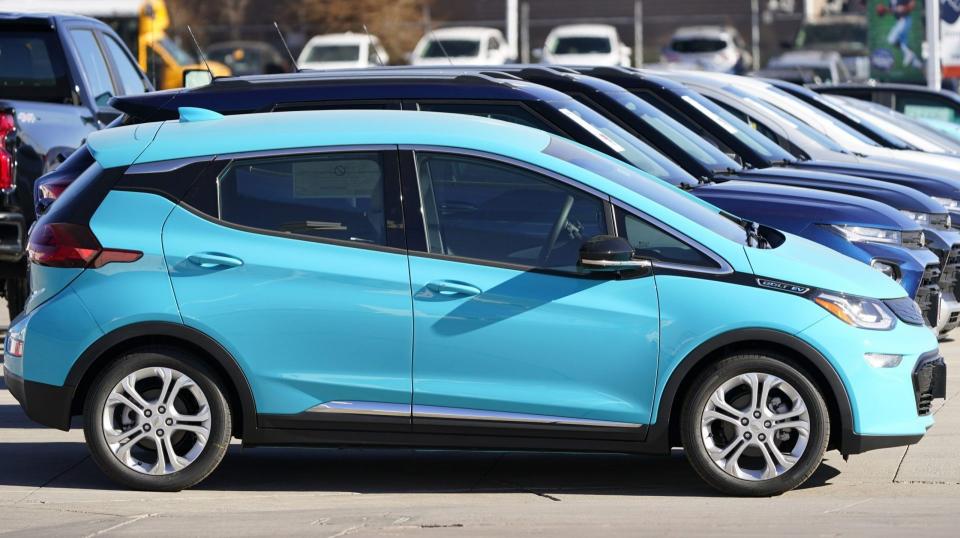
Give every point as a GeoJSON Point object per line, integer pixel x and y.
{"type": "Point", "coordinates": [45, 404]}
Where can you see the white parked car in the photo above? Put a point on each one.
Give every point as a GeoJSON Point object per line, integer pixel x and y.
{"type": "Point", "coordinates": [713, 48]}
{"type": "Point", "coordinates": [462, 45]}
{"type": "Point", "coordinates": [585, 44]}
{"type": "Point", "coordinates": [334, 51]}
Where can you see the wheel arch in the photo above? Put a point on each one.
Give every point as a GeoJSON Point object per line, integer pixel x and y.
{"type": "Point", "coordinates": [113, 344]}
{"type": "Point", "coordinates": [664, 434]}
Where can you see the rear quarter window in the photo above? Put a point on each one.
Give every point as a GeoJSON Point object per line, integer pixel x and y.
{"type": "Point", "coordinates": [32, 66]}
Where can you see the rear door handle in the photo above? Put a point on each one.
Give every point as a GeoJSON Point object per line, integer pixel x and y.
{"type": "Point", "coordinates": [450, 288]}
{"type": "Point", "coordinates": [212, 259]}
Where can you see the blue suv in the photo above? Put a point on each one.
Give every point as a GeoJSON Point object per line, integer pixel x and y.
{"type": "Point", "coordinates": [390, 278]}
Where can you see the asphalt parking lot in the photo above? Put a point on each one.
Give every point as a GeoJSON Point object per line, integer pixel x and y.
{"type": "Point", "coordinates": [49, 486]}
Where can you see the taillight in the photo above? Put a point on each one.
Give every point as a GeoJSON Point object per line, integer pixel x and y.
{"type": "Point", "coordinates": [8, 131]}
{"type": "Point", "coordinates": [52, 190]}
{"type": "Point", "coordinates": [73, 246]}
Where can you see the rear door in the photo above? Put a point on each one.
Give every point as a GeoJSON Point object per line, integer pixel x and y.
{"type": "Point", "coordinates": [296, 263]}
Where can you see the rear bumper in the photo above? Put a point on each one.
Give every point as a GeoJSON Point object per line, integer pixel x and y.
{"type": "Point", "coordinates": [45, 404]}
{"type": "Point", "coordinates": [12, 234]}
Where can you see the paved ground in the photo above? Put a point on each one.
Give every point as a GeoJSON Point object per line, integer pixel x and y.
{"type": "Point", "coordinates": [49, 486]}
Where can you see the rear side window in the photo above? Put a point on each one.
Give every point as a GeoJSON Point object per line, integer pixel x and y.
{"type": "Point", "coordinates": [32, 67]}
{"type": "Point", "coordinates": [333, 196]}
{"type": "Point", "coordinates": [131, 82]}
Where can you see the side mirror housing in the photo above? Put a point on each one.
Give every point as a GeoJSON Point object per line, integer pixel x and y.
{"type": "Point", "coordinates": [610, 253]}
{"type": "Point", "coordinates": [537, 54]}
{"type": "Point", "coordinates": [194, 78]}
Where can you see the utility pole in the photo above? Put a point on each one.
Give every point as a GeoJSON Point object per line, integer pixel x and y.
{"type": "Point", "coordinates": [513, 26]}
{"type": "Point", "coordinates": [638, 33]}
{"type": "Point", "coordinates": [525, 32]}
{"type": "Point", "coordinates": [934, 79]}
{"type": "Point", "coordinates": [755, 31]}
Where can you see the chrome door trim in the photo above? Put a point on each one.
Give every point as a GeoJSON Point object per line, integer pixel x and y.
{"type": "Point", "coordinates": [455, 413]}
{"type": "Point", "coordinates": [380, 409]}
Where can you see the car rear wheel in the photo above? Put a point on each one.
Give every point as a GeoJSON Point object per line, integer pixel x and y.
{"type": "Point", "coordinates": [157, 419]}
{"type": "Point", "coordinates": [755, 425]}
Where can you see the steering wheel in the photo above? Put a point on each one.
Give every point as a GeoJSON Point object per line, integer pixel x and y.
{"type": "Point", "coordinates": [555, 231]}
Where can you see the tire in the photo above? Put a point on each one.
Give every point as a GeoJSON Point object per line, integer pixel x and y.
{"type": "Point", "coordinates": [733, 449]}
{"type": "Point", "coordinates": [124, 431]}
{"type": "Point", "coordinates": [15, 291]}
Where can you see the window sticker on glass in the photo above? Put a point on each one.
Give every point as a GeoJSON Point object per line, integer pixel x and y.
{"type": "Point", "coordinates": [340, 178]}
{"type": "Point", "coordinates": [593, 130]}
{"type": "Point", "coordinates": [710, 114]}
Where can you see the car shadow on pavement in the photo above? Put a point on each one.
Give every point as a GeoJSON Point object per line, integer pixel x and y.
{"type": "Point", "coordinates": [373, 471]}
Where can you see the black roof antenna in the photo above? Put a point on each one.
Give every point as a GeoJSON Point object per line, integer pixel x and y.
{"type": "Point", "coordinates": [283, 40]}
{"type": "Point", "coordinates": [439, 43]}
{"type": "Point", "coordinates": [203, 57]}
{"type": "Point", "coordinates": [373, 46]}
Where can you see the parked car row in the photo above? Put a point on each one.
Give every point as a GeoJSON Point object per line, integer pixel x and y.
{"type": "Point", "coordinates": [505, 256]}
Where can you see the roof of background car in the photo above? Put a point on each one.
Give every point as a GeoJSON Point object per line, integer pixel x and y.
{"type": "Point", "coordinates": [464, 32]}
{"type": "Point", "coordinates": [343, 37]}
{"type": "Point", "coordinates": [258, 91]}
{"type": "Point", "coordinates": [583, 30]}
{"type": "Point", "coordinates": [122, 146]}
{"type": "Point", "coordinates": [41, 17]}
{"type": "Point", "coordinates": [703, 31]}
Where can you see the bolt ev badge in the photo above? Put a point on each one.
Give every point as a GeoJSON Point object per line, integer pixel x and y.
{"type": "Point", "coordinates": [782, 286]}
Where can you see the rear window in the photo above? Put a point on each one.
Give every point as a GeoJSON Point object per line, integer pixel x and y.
{"type": "Point", "coordinates": [582, 45]}
{"type": "Point", "coordinates": [334, 53]}
{"type": "Point", "coordinates": [455, 48]}
{"type": "Point", "coordinates": [32, 67]}
{"type": "Point", "coordinates": [688, 46]}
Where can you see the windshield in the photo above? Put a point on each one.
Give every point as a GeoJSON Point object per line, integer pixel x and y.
{"type": "Point", "coordinates": [840, 133]}
{"type": "Point", "coordinates": [32, 67]}
{"type": "Point", "coordinates": [627, 146]}
{"type": "Point", "coordinates": [658, 192]}
{"type": "Point", "coordinates": [692, 145]}
{"type": "Point", "coordinates": [181, 56]}
{"type": "Point", "coordinates": [695, 45]}
{"type": "Point", "coordinates": [582, 45]}
{"type": "Point", "coordinates": [334, 53]}
{"type": "Point", "coordinates": [744, 134]}
{"type": "Point", "coordinates": [820, 35]}
{"type": "Point", "coordinates": [454, 48]}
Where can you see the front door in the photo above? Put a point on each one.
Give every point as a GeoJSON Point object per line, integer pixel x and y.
{"type": "Point", "coordinates": [507, 331]}
{"type": "Point", "coordinates": [296, 264]}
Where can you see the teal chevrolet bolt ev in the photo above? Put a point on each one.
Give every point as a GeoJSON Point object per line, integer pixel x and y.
{"type": "Point", "coordinates": [405, 279]}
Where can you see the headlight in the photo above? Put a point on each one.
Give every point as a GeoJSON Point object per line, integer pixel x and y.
{"type": "Point", "coordinates": [857, 311]}
{"type": "Point", "coordinates": [922, 219]}
{"type": "Point", "coordinates": [868, 235]}
{"type": "Point", "coordinates": [948, 203]}
{"type": "Point", "coordinates": [887, 268]}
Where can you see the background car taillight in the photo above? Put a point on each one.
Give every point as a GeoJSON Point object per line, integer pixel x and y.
{"type": "Point", "coordinates": [8, 134]}
{"type": "Point", "coordinates": [68, 245]}
{"type": "Point", "coordinates": [52, 190]}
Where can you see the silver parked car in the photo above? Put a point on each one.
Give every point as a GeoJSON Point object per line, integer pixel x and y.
{"type": "Point", "coordinates": [712, 48]}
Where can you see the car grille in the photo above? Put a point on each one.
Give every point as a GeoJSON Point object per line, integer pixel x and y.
{"type": "Point", "coordinates": [929, 382]}
{"type": "Point", "coordinates": [928, 296]}
{"type": "Point", "coordinates": [913, 240]}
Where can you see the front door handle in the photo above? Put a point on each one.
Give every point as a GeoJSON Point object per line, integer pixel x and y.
{"type": "Point", "coordinates": [449, 288]}
{"type": "Point", "coordinates": [209, 260]}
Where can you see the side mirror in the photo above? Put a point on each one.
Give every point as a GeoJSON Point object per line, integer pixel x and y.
{"type": "Point", "coordinates": [609, 253]}
{"type": "Point", "coordinates": [194, 78]}
{"type": "Point", "coordinates": [536, 54]}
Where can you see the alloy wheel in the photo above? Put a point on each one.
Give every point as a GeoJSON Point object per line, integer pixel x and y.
{"type": "Point", "coordinates": [755, 426]}
{"type": "Point", "coordinates": [156, 421]}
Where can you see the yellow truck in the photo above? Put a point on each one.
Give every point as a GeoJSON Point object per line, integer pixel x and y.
{"type": "Point", "coordinates": [142, 24]}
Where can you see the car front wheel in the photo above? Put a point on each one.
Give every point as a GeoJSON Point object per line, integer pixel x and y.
{"type": "Point", "coordinates": [755, 425]}
{"type": "Point", "coordinates": [157, 419]}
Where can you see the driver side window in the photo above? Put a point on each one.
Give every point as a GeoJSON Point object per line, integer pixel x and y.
{"type": "Point", "coordinates": [487, 210]}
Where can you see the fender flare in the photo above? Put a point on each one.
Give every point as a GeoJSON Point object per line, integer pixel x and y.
{"type": "Point", "coordinates": [220, 355]}
{"type": "Point", "coordinates": [659, 436]}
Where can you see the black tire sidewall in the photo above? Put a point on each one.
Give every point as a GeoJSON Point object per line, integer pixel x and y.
{"type": "Point", "coordinates": [220, 427]}
{"type": "Point", "coordinates": [731, 367]}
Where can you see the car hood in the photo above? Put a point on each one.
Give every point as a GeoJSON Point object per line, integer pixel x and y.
{"type": "Point", "coordinates": [793, 209]}
{"type": "Point", "coordinates": [929, 181]}
{"type": "Point", "coordinates": [800, 261]}
{"type": "Point", "coordinates": [892, 194]}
